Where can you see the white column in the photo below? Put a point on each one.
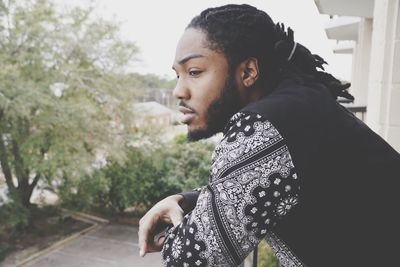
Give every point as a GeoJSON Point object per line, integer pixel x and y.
{"type": "Point", "coordinates": [361, 62]}
{"type": "Point", "coordinates": [355, 73]}
{"type": "Point", "coordinates": [383, 108]}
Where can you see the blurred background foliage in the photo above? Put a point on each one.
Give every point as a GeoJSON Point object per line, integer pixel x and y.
{"type": "Point", "coordinates": [144, 178]}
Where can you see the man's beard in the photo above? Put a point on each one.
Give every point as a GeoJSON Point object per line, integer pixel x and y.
{"type": "Point", "coordinates": [219, 112]}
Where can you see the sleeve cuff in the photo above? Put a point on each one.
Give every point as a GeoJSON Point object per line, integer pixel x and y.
{"type": "Point", "coordinates": [189, 200]}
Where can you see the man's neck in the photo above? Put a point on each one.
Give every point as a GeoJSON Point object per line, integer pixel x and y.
{"type": "Point", "coordinates": [251, 95]}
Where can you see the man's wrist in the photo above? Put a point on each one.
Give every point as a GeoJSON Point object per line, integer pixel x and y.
{"type": "Point", "coordinates": [178, 198]}
{"type": "Point", "coordinates": [189, 200]}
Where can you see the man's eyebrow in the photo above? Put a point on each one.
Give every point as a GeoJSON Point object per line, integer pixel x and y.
{"type": "Point", "coordinates": [189, 57]}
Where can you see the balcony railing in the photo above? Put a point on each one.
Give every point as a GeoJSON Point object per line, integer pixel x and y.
{"type": "Point", "coordinates": [251, 260]}
{"type": "Point", "coordinates": [358, 111]}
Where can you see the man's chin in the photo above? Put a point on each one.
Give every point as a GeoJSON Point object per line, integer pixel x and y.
{"type": "Point", "coordinates": [198, 134]}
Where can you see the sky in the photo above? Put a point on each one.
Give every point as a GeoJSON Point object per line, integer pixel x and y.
{"type": "Point", "coordinates": [156, 26]}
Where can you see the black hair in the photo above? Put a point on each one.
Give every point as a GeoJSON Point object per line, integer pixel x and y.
{"type": "Point", "coordinates": [243, 31]}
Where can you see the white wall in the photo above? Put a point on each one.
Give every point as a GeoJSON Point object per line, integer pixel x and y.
{"type": "Point", "coordinates": [383, 109]}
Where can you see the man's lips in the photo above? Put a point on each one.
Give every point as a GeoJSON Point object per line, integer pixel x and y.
{"type": "Point", "coordinates": [188, 114]}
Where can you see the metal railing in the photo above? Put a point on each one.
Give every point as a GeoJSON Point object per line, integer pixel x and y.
{"type": "Point", "coordinates": [251, 260]}
{"type": "Point", "coordinates": [358, 111]}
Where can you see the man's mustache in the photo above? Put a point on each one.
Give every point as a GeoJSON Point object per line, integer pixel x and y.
{"type": "Point", "coordinates": [183, 104]}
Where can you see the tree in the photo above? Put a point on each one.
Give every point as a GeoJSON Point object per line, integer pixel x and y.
{"type": "Point", "coordinates": [63, 92]}
{"type": "Point", "coordinates": [152, 81]}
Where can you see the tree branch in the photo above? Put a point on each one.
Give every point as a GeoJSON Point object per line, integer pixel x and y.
{"type": "Point", "coordinates": [19, 165]}
{"type": "Point", "coordinates": [5, 165]}
{"type": "Point", "coordinates": [34, 182]}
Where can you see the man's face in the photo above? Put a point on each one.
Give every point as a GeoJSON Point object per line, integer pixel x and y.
{"type": "Point", "coordinates": [205, 86]}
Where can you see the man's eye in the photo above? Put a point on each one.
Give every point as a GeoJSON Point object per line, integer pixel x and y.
{"type": "Point", "coordinates": [194, 72]}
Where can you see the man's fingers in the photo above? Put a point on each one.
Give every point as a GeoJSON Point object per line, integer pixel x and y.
{"type": "Point", "coordinates": [167, 211]}
{"type": "Point", "coordinates": [157, 245]}
{"type": "Point", "coordinates": [146, 225]}
{"type": "Point", "coordinates": [143, 235]}
{"type": "Point", "coordinates": [143, 249]}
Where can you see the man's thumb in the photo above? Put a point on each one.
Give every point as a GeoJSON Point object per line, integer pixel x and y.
{"type": "Point", "coordinates": [176, 217]}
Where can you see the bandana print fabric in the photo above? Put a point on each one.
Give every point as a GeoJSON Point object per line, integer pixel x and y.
{"type": "Point", "coordinates": [253, 185]}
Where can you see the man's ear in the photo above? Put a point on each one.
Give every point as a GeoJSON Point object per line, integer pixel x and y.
{"type": "Point", "coordinates": [249, 71]}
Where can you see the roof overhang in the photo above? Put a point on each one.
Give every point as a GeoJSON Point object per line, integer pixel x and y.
{"type": "Point", "coordinates": [355, 8]}
{"type": "Point", "coordinates": [344, 48]}
{"type": "Point", "coordinates": [343, 28]}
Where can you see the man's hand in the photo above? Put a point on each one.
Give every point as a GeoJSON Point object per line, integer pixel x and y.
{"type": "Point", "coordinates": [167, 211]}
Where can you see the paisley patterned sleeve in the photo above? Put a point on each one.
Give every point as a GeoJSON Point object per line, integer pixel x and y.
{"type": "Point", "coordinates": [252, 185]}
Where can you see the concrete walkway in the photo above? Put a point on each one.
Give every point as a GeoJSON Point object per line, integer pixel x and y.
{"type": "Point", "coordinates": [109, 245]}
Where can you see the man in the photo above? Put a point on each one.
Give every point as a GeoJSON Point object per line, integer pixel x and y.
{"type": "Point", "coordinates": [294, 166]}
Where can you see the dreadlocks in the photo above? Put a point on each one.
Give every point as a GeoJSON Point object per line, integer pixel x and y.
{"type": "Point", "coordinates": [243, 31]}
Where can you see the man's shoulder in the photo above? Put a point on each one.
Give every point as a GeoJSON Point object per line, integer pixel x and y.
{"type": "Point", "coordinates": [291, 95]}
{"type": "Point", "coordinates": [293, 101]}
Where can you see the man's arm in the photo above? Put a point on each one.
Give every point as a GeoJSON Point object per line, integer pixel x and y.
{"type": "Point", "coordinates": [253, 184]}
{"type": "Point", "coordinates": [166, 212]}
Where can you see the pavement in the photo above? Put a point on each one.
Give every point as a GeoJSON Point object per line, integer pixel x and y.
{"type": "Point", "coordinates": [108, 245]}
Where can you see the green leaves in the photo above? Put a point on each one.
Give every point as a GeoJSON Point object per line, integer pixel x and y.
{"type": "Point", "coordinates": [187, 165]}
{"type": "Point", "coordinates": [60, 89]}
{"type": "Point", "coordinates": [12, 214]}
{"type": "Point", "coordinates": [144, 178]}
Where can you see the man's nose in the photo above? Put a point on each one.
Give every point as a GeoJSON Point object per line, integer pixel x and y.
{"type": "Point", "coordinates": [181, 91]}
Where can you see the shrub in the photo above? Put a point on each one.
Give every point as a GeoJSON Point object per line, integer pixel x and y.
{"type": "Point", "coordinates": [136, 182]}
{"type": "Point", "coordinates": [265, 256]}
{"type": "Point", "coordinates": [13, 217]}
{"type": "Point", "coordinates": [147, 175]}
{"type": "Point", "coordinates": [185, 165]}
{"type": "Point", "coordinates": [88, 193]}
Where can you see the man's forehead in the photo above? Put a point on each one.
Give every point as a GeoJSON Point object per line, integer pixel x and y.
{"type": "Point", "coordinates": [193, 36]}
{"type": "Point", "coordinates": [193, 44]}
